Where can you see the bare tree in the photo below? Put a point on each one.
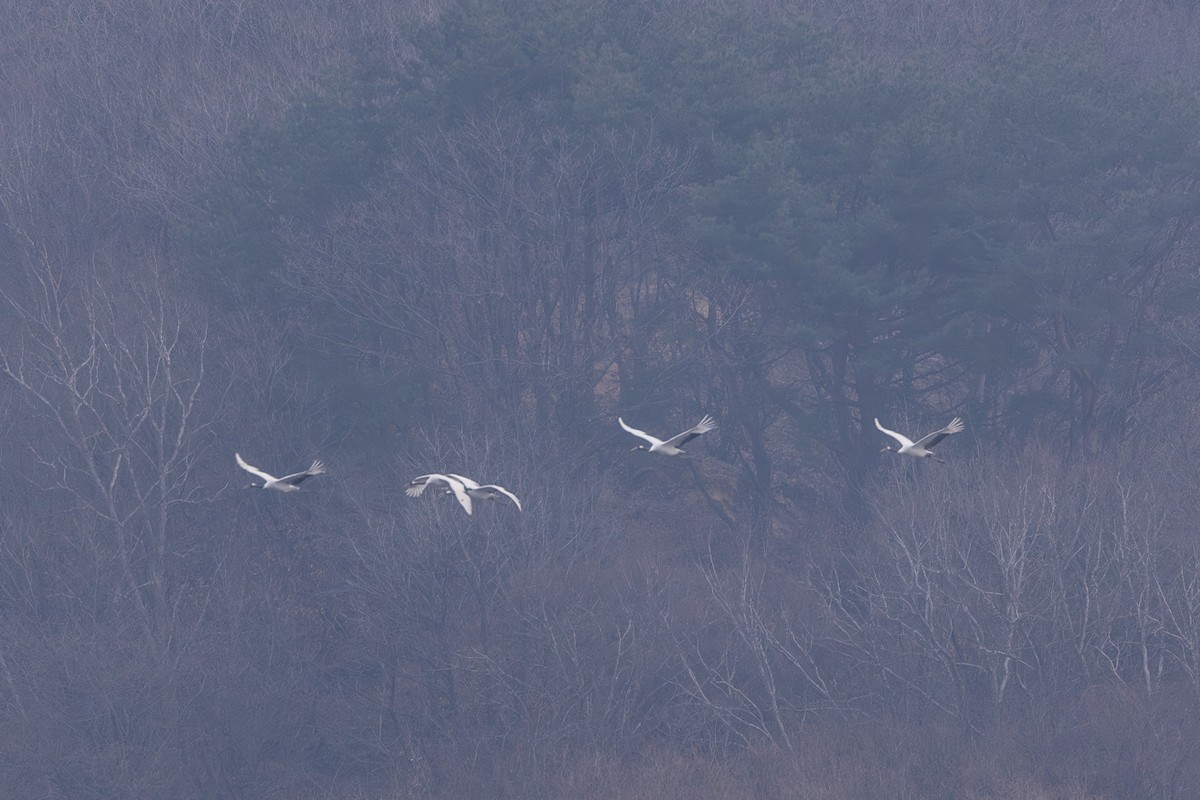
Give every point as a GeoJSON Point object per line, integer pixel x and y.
{"type": "Point", "coordinates": [115, 376]}
{"type": "Point", "coordinates": [764, 667]}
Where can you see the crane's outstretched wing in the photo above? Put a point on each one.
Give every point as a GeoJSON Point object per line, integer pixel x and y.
{"type": "Point", "coordinates": [417, 485]}
{"type": "Point", "coordinates": [639, 434]}
{"type": "Point", "coordinates": [955, 426]}
{"type": "Point", "coordinates": [460, 492]}
{"type": "Point", "coordinates": [702, 427]}
{"type": "Point", "coordinates": [899, 437]}
{"type": "Point", "coordinates": [500, 489]}
{"type": "Point", "coordinates": [297, 478]}
{"type": "Point", "coordinates": [465, 481]}
{"type": "Point", "coordinates": [252, 470]}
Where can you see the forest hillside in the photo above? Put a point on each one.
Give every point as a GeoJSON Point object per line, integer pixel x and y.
{"type": "Point", "coordinates": [406, 237]}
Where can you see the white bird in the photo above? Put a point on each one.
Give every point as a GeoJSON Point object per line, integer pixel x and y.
{"type": "Point", "coordinates": [670, 447]}
{"type": "Point", "coordinates": [288, 483]}
{"type": "Point", "coordinates": [487, 491]}
{"type": "Point", "coordinates": [920, 448]}
{"type": "Point", "coordinates": [453, 485]}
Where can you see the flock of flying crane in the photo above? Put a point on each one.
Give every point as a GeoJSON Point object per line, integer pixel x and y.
{"type": "Point", "coordinates": [466, 490]}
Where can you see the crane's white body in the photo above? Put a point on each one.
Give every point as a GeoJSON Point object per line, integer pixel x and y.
{"type": "Point", "coordinates": [288, 483]}
{"type": "Point", "coordinates": [670, 447]}
{"type": "Point", "coordinates": [921, 447]}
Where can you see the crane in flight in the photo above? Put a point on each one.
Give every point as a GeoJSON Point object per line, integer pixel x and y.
{"type": "Point", "coordinates": [288, 483]}
{"type": "Point", "coordinates": [670, 447]}
{"type": "Point", "coordinates": [451, 484]}
{"type": "Point", "coordinates": [920, 448]}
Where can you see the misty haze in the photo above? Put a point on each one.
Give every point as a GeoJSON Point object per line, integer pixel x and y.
{"type": "Point", "coordinates": [600, 400]}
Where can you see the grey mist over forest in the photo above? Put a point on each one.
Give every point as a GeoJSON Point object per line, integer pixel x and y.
{"type": "Point", "coordinates": [461, 239]}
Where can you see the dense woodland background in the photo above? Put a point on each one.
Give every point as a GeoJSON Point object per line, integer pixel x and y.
{"type": "Point", "coordinates": [403, 235]}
